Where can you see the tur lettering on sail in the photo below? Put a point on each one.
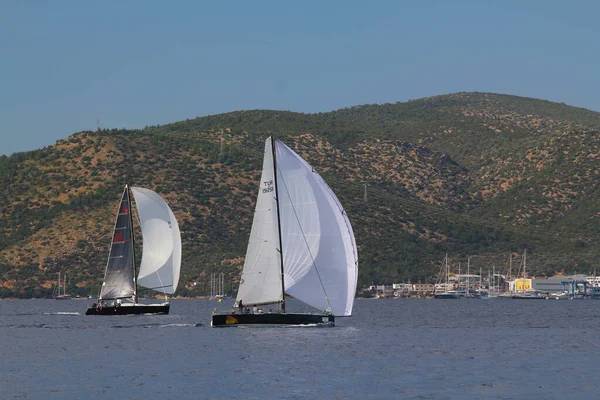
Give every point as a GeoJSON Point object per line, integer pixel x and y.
{"type": "Point", "coordinates": [268, 186]}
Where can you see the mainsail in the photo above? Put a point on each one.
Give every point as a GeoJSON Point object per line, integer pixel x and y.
{"type": "Point", "coordinates": [261, 276]}
{"type": "Point", "coordinates": [161, 253]}
{"type": "Point", "coordinates": [320, 260]}
{"type": "Point", "coordinates": [119, 280]}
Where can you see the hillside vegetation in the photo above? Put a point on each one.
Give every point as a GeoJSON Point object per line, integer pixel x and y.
{"type": "Point", "coordinates": [470, 174]}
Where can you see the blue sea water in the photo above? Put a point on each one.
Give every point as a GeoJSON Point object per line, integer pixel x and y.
{"type": "Point", "coordinates": [389, 349]}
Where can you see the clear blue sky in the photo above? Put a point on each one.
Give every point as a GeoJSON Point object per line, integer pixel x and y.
{"type": "Point", "coordinates": [65, 63]}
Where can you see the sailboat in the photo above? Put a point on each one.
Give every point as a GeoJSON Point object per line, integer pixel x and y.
{"type": "Point", "coordinates": [301, 244]}
{"type": "Point", "coordinates": [161, 256]}
{"type": "Point", "coordinates": [448, 294]}
{"type": "Point", "coordinates": [529, 294]}
{"type": "Point", "coordinates": [57, 294]}
{"type": "Point", "coordinates": [217, 286]}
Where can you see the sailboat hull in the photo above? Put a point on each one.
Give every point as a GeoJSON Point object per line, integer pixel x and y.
{"type": "Point", "coordinates": [526, 297]}
{"type": "Point", "coordinates": [453, 296]}
{"type": "Point", "coordinates": [234, 319]}
{"type": "Point", "coordinates": [128, 309]}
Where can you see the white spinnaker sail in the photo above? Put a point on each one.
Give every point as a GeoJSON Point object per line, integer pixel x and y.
{"type": "Point", "coordinates": [161, 253]}
{"type": "Point", "coordinates": [320, 259]}
{"type": "Point", "coordinates": [261, 276]}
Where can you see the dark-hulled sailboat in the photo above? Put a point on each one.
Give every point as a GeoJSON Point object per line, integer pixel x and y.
{"type": "Point", "coordinates": [301, 244]}
{"type": "Point", "coordinates": [161, 257]}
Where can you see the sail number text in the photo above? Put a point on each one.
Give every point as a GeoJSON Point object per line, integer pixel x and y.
{"type": "Point", "coordinates": [268, 186]}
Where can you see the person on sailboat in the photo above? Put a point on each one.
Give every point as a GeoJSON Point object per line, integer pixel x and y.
{"type": "Point", "coordinates": [241, 306]}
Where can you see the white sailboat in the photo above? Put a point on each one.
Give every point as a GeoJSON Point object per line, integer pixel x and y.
{"type": "Point", "coordinates": [58, 295]}
{"type": "Point", "coordinates": [217, 286]}
{"type": "Point", "coordinates": [301, 244]}
{"type": "Point", "coordinates": [448, 294]}
{"type": "Point", "coordinates": [161, 256]}
{"type": "Point", "coordinates": [526, 293]}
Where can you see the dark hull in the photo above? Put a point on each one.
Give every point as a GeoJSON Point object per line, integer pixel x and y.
{"type": "Point", "coordinates": [272, 319]}
{"type": "Point", "coordinates": [517, 297]}
{"type": "Point", "coordinates": [447, 296]}
{"type": "Point", "coordinates": [130, 309]}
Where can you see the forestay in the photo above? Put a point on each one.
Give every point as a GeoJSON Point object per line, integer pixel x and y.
{"type": "Point", "coordinates": [161, 253]}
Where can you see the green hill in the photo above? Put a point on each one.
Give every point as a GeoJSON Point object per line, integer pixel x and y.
{"type": "Point", "coordinates": [471, 174]}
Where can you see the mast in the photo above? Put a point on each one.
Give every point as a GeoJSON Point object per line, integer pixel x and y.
{"type": "Point", "coordinates": [135, 294]}
{"type": "Point", "coordinates": [278, 221]}
{"type": "Point", "coordinates": [510, 265]}
{"type": "Point", "coordinates": [447, 274]}
{"type": "Point", "coordinates": [524, 262]}
{"type": "Point", "coordinates": [468, 276]}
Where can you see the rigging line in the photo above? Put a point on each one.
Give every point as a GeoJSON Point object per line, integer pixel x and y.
{"type": "Point", "coordinates": [158, 287]}
{"type": "Point", "coordinates": [306, 243]}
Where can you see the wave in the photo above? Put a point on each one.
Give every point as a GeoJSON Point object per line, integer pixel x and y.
{"type": "Point", "coordinates": [30, 314]}
{"type": "Point", "coordinates": [135, 326]}
{"type": "Point", "coordinates": [46, 326]}
{"type": "Point", "coordinates": [29, 326]}
{"type": "Point", "coordinates": [24, 314]}
{"type": "Point", "coordinates": [280, 326]}
{"type": "Point", "coordinates": [173, 325]}
{"type": "Point", "coordinates": [61, 313]}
